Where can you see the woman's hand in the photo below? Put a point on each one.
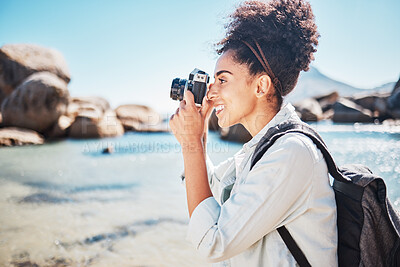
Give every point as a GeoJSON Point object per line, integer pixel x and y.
{"type": "Point", "coordinates": [189, 123]}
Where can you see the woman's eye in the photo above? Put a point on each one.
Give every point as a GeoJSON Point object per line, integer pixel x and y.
{"type": "Point", "coordinates": [221, 80]}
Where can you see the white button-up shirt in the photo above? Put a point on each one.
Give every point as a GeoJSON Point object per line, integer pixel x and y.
{"type": "Point", "coordinates": [289, 186]}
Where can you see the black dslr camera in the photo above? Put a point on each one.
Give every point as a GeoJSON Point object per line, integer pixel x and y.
{"type": "Point", "coordinates": [197, 84]}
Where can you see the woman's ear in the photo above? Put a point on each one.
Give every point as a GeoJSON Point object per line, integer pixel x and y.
{"type": "Point", "coordinates": [264, 85]}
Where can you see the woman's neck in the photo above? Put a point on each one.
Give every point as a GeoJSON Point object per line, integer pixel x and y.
{"type": "Point", "coordinates": [256, 121]}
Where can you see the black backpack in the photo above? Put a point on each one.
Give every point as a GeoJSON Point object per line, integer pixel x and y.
{"type": "Point", "coordinates": [368, 225]}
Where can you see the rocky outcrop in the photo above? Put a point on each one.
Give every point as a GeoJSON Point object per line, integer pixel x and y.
{"type": "Point", "coordinates": [61, 127]}
{"type": "Point", "coordinates": [376, 103]}
{"type": "Point", "coordinates": [347, 111]}
{"type": "Point", "coordinates": [394, 102]}
{"type": "Point", "coordinates": [94, 104]}
{"type": "Point", "coordinates": [140, 118]}
{"type": "Point", "coordinates": [92, 118]}
{"type": "Point", "coordinates": [395, 113]}
{"type": "Point", "coordinates": [147, 128]}
{"type": "Point", "coordinates": [358, 108]}
{"type": "Point", "coordinates": [12, 136]}
{"type": "Point", "coordinates": [396, 87]}
{"type": "Point", "coordinates": [326, 101]}
{"type": "Point", "coordinates": [89, 125]}
{"type": "Point", "coordinates": [87, 117]}
{"type": "Point", "coordinates": [213, 122]}
{"type": "Point", "coordinates": [235, 133]}
{"type": "Point", "coordinates": [37, 103]}
{"type": "Point", "coordinates": [309, 109]}
{"type": "Point", "coordinates": [34, 95]}
{"type": "Point", "coordinates": [18, 61]}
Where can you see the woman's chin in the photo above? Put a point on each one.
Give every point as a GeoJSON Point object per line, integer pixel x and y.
{"type": "Point", "coordinates": [224, 123]}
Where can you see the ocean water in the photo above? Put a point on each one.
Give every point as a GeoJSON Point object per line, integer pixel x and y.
{"type": "Point", "coordinates": [67, 204]}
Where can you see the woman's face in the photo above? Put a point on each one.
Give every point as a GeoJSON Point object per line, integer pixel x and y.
{"type": "Point", "coordinates": [233, 92]}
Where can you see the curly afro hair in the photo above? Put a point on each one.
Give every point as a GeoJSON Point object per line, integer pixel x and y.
{"type": "Point", "coordinates": [284, 29]}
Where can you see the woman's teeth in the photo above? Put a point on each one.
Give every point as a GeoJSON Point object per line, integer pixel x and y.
{"type": "Point", "coordinates": [219, 108]}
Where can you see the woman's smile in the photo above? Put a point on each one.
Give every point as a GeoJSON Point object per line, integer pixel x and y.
{"type": "Point", "coordinates": [219, 109]}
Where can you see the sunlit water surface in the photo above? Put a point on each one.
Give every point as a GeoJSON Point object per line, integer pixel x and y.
{"type": "Point", "coordinates": [67, 204]}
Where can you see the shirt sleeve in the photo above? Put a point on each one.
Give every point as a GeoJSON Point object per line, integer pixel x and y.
{"type": "Point", "coordinates": [275, 192]}
{"type": "Point", "coordinates": [215, 174]}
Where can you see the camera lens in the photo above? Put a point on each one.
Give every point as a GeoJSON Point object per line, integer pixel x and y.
{"type": "Point", "coordinates": [178, 88]}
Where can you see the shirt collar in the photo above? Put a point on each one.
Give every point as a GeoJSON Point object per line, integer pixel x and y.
{"type": "Point", "coordinates": [286, 112]}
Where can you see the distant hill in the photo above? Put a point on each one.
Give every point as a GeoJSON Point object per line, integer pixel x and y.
{"type": "Point", "coordinates": [314, 83]}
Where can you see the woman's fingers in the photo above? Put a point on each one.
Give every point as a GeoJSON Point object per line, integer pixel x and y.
{"type": "Point", "coordinates": [206, 107]}
{"type": "Point", "coordinates": [188, 97]}
{"type": "Point", "coordinates": [182, 104]}
{"type": "Point", "coordinates": [173, 115]}
{"type": "Point", "coordinates": [186, 123]}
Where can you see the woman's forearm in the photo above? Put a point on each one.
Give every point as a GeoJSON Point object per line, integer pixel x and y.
{"type": "Point", "coordinates": [197, 186]}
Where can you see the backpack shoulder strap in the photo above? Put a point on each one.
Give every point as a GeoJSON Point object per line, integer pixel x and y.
{"type": "Point", "coordinates": [267, 141]}
{"type": "Point", "coordinates": [297, 253]}
{"type": "Point", "coordinates": [280, 130]}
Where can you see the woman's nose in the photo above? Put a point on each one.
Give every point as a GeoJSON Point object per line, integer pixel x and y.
{"type": "Point", "coordinates": [212, 92]}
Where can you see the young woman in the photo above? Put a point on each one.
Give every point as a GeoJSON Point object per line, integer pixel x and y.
{"type": "Point", "coordinates": [234, 212]}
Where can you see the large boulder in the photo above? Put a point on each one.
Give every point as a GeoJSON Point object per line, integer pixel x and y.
{"type": "Point", "coordinates": [146, 128]}
{"type": "Point", "coordinates": [12, 136]}
{"type": "Point", "coordinates": [377, 103]}
{"type": "Point", "coordinates": [83, 107]}
{"type": "Point", "coordinates": [394, 102]}
{"type": "Point", "coordinates": [2, 94]}
{"type": "Point", "coordinates": [18, 61]}
{"type": "Point", "coordinates": [396, 87]}
{"type": "Point", "coordinates": [77, 105]}
{"type": "Point", "coordinates": [37, 103]}
{"type": "Point", "coordinates": [326, 101]}
{"type": "Point", "coordinates": [348, 111]}
{"type": "Point", "coordinates": [140, 118]}
{"type": "Point", "coordinates": [213, 122]}
{"type": "Point", "coordinates": [60, 128]}
{"type": "Point", "coordinates": [235, 133]}
{"type": "Point", "coordinates": [89, 124]}
{"type": "Point", "coordinates": [309, 109]}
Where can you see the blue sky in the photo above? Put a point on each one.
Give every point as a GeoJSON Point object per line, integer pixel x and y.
{"type": "Point", "coordinates": [129, 51]}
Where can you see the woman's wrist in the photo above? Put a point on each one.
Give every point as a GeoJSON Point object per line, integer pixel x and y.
{"type": "Point", "coordinates": [194, 146]}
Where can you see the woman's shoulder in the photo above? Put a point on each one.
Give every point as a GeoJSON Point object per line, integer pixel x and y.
{"type": "Point", "coordinates": [297, 145]}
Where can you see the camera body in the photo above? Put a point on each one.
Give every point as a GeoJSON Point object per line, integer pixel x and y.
{"type": "Point", "coordinates": [197, 84]}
